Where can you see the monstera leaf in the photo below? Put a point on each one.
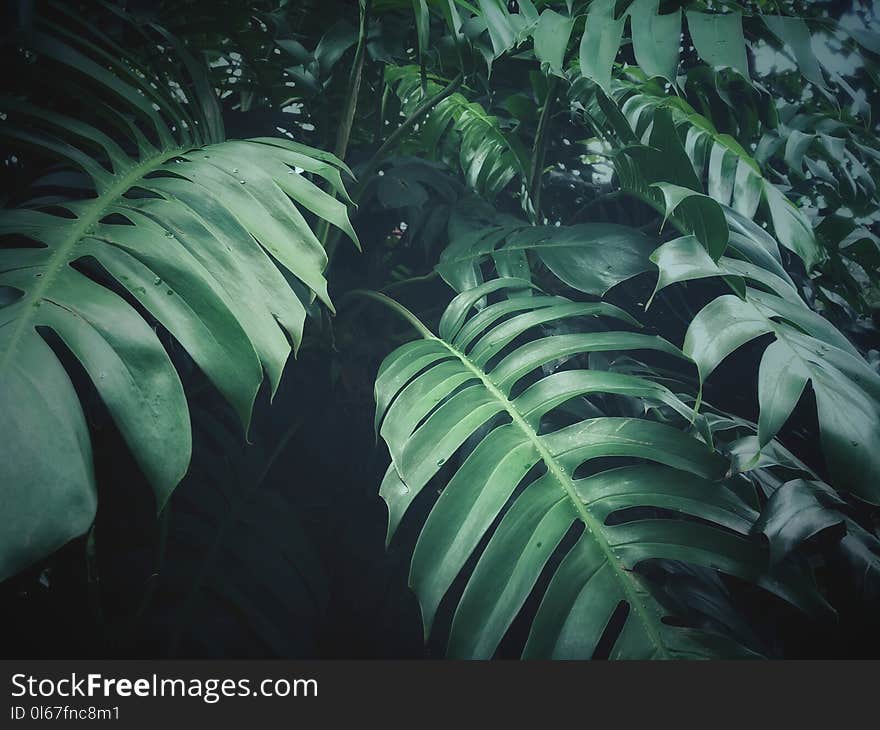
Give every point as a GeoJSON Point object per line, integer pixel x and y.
{"type": "Point", "coordinates": [801, 510]}
{"type": "Point", "coordinates": [806, 349]}
{"type": "Point", "coordinates": [681, 154]}
{"type": "Point", "coordinates": [524, 485]}
{"type": "Point", "coordinates": [590, 257]}
{"type": "Point", "coordinates": [165, 224]}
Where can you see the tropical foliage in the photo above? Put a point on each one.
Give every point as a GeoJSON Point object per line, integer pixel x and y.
{"type": "Point", "coordinates": [638, 241]}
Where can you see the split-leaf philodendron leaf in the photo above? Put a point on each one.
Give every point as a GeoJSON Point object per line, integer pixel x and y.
{"type": "Point", "coordinates": [184, 230]}
{"type": "Point", "coordinates": [436, 394]}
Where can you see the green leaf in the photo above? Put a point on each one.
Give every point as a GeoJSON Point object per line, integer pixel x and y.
{"type": "Point", "coordinates": [685, 259]}
{"type": "Point", "coordinates": [551, 39]}
{"type": "Point", "coordinates": [590, 257]}
{"type": "Point", "coordinates": [867, 39]}
{"type": "Point", "coordinates": [847, 390]}
{"type": "Point", "coordinates": [797, 511]}
{"type": "Point", "coordinates": [796, 147]}
{"type": "Point", "coordinates": [730, 174]}
{"type": "Point", "coordinates": [801, 509]}
{"type": "Point", "coordinates": [791, 226]}
{"type": "Point", "coordinates": [794, 33]}
{"type": "Point", "coordinates": [489, 155]}
{"type": "Point", "coordinates": [333, 45]}
{"type": "Point", "coordinates": [423, 32]}
{"type": "Point", "coordinates": [531, 530]}
{"type": "Point", "coordinates": [502, 32]}
{"type": "Point", "coordinates": [849, 425]}
{"type": "Point", "coordinates": [782, 378]}
{"type": "Point", "coordinates": [722, 326]}
{"type": "Point", "coordinates": [300, 54]}
{"type": "Point", "coordinates": [655, 38]}
{"type": "Point", "coordinates": [600, 42]}
{"type": "Point", "coordinates": [49, 485]}
{"type": "Point", "coordinates": [700, 213]}
{"type": "Point", "coordinates": [719, 40]}
{"type": "Point", "coordinates": [423, 25]}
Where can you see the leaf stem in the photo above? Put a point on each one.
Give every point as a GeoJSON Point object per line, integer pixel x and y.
{"type": "Point", "coordinates": [536, 169]}
{"type": "Point", "coordinates": [393, 140]}
{"type": "Point", "coordinates": [354, 84]}
{"type": "Point", "coordinates": [398, 134]}
{"type": "Point", "coordinates": [343, 133]}
{"type": "Point", "coordinates": [395, 306]}
{"type": "Point", "coordinates": [430, 276]}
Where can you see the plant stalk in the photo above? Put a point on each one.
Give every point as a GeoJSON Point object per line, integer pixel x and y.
{"type": "Point", "coordinates": [430, 276]}
{"type": "Point", "coordinates": [332, 240]}
{"type": "Point", "coordinates": [343, 133]}
{"type": "Point", "coordinates": [536, 169]}
{"type": "Point", "coordinates": [398, 134]}
{"type": "Point", "coordinates": [395, 306]}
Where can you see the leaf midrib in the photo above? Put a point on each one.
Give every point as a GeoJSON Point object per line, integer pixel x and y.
{"type": "Point", "coordinates": [593, 526]}
{"type": "Point", "coordinates": [62, 254]}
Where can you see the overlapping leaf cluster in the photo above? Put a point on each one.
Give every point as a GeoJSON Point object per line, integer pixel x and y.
{"type": "Point", "coordinates": [709, 149]}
